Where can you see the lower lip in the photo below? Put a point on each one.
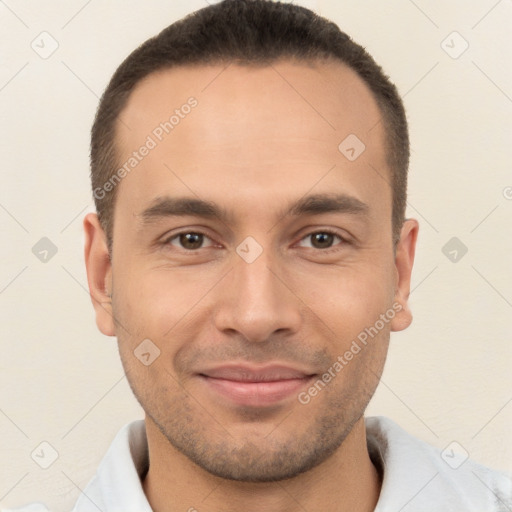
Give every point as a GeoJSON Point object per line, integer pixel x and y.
{"type": "Point", "coordinates": [256, 394]}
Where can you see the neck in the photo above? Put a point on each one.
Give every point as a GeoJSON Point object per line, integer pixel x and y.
{"type": "Point", "coordinates": [346, 481]}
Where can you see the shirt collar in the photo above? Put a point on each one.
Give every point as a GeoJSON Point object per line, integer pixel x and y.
{"type": "Point", "coordinates": [117, 485]}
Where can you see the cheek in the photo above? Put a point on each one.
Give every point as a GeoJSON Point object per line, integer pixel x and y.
{"type": "Point", "coordinates": [155, 302]}
{"type": "Point", "coordinates": [347, 299]}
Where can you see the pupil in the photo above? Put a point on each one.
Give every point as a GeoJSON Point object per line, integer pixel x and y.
{"type": "Point", "coordinates": [322, 240]}
{"type": "Point", "coordinates": [191, 240]}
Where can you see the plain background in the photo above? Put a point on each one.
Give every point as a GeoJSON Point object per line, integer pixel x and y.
{"type": "Point", "coordinates": [448, 376]}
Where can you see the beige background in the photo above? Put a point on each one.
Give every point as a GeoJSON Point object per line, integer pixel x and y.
{"type": "Point", "coordinates": [448, 376]}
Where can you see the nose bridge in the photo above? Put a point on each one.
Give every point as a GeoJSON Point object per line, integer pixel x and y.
{"type": "Point", "coordinates": [255, 302]}
{"type": "Point", "coordinates": [255, 281]}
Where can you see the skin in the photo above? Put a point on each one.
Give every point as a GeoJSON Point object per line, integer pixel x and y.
{"type": "Point", "coordinates": [258, 140]}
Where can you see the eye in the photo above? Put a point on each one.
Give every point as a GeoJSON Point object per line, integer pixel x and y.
{"type": "Point", "coordinates": [188, 240]}
{"type": "Point", "coordinates": [322, 239]}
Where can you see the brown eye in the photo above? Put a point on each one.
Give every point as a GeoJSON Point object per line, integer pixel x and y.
{"type": "Point", "coordinates": [322, 240]}
{"type": "Point", "coordinates": [191, 240]}
{"type": "Point", "coordinates": [188, 240]}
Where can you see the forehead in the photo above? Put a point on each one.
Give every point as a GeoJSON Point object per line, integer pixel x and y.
{"type": "Point", "coordinates": [265, 130]}
{"type": "Point", "coordinates": [327, 95]}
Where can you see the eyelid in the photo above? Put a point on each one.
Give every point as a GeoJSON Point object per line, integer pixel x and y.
{"type": "Point", "coordinates": [167, 239]}
{"type": "Point", "coordinates": [331, 231]}
{"type": "Point", "coordinates": [207, 242]}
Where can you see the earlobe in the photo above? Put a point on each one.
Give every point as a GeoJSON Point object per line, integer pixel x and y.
{"type": "Point", "coordinates": [99, 273]}
{"type": "Point", "coordinates": [404, 260]}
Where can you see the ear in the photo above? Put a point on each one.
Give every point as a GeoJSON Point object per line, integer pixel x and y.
{"type": "Point", "coordinates": [99, 273]}
{"type": "Point", "coordinates": [404, 259]}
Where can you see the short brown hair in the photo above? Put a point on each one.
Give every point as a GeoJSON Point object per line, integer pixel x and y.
{"type": "Point", "coordinates": [245, 32]}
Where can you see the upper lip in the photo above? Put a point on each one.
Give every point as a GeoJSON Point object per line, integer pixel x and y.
{"type": "Point", "coordinates": [247, 373]}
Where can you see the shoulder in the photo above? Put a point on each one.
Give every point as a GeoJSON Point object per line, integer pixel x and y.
{"type": "Point", "coordinates": [417, 476]}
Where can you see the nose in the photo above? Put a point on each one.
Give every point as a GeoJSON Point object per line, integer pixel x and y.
{"type": "Point", "coordinates": [257, 301]}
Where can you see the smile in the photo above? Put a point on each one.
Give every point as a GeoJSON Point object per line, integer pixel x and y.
{"type": "Point", "coordinates": [255, 387]}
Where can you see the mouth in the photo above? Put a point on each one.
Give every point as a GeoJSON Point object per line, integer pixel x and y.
{"type": "Point", "coordinates": [255, 386]}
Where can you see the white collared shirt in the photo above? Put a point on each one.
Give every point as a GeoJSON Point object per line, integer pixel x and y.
{"type": "Point", "coordinates": [416, 476]}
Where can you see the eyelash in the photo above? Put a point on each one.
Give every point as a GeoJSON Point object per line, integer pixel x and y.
{"type": "Point", "coordinates": [332, 232]}
{"type": "Point", "coordinates": [334, 248]}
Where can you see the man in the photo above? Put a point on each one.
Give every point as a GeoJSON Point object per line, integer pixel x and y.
{"type": "Point", "coordinates": [251, 255]}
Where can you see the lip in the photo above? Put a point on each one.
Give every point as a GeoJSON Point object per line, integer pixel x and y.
{"type": "Point", "coordinates": [252, 386]}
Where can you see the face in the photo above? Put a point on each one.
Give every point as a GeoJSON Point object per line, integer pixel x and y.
{"type": "Point", "coordinates": [253, 257]}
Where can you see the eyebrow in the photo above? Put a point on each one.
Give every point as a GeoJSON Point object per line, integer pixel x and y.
{"type": "Point", "coordinates": [315, 204]}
